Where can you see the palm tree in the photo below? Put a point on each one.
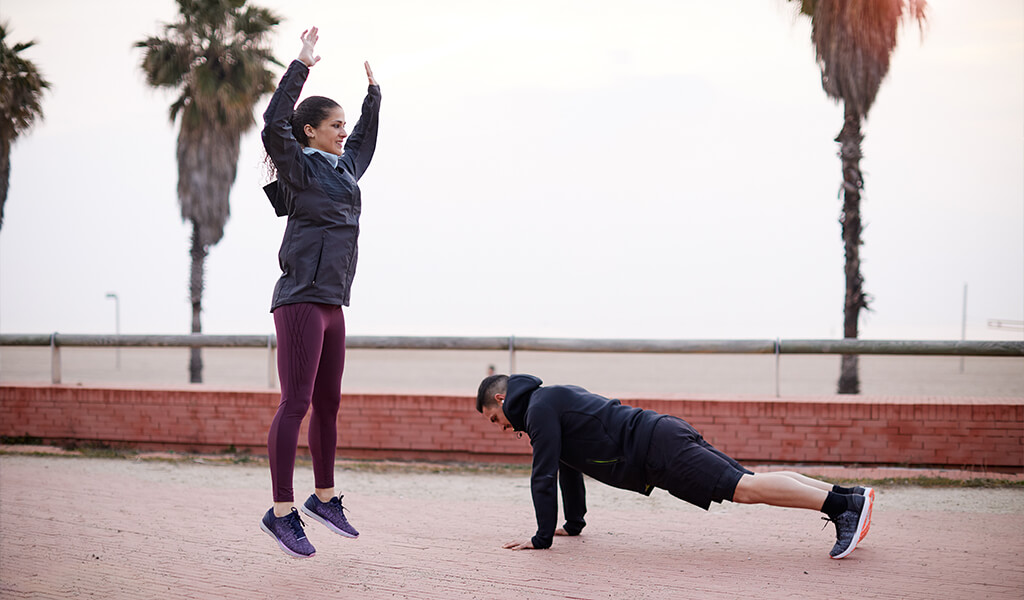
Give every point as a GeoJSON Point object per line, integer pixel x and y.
{"type": "Point", "coordinates": [216, 55]}
{"type": "Point", "coordinates": [21, 95]}
{"type": "Point", "coordinates": [853, 42]}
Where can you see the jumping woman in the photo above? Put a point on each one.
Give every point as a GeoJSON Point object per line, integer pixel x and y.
{"type": "Point", "coordinates": [317, 163]}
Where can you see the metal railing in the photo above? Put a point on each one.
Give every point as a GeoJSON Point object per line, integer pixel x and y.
{"type": "Point", "coordinates": [512, 344]}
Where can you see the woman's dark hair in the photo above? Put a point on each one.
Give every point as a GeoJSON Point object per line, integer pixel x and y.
{"type": "Point", "coordinates": [311, 111]}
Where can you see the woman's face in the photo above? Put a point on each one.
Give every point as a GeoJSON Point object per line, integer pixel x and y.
{"type": "Point", "coordinates": [330, 135]}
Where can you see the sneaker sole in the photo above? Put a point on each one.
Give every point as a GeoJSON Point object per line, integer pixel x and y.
{"type": "Point", "coordinates": [865, 517]}
{"type": "Point", "coordinates": [286, 550]}
{"type": "Point", "coordinates": [326, 523]}
{"type": "Point", "coordinates": [869, 493]}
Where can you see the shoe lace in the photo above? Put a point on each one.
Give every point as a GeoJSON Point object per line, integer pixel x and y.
{"type": "Point", "coordinates": [830, 520]}
{"type": "Point", "coordinates": [341, 506]}
{"type": "Point", "coordinates": [297, 524]}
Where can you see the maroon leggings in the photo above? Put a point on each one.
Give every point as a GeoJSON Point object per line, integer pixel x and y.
{"type": "Point", "coordinates": [310, 361]}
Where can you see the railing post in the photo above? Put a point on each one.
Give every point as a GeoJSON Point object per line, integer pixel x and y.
{"type": "Point", "coordinates": [963, 327]}
{"type": "Point", "coordinates": [54, 359]}
{"type": "Point", "coordinates": [778, 352]}
{"type": "Point", "coordinates": [271, 370]}
{"type": "Point", "coordinates": [511, 354]}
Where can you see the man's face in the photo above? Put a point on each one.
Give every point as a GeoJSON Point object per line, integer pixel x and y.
{"type": "Point", "coordinates": [494, 414]}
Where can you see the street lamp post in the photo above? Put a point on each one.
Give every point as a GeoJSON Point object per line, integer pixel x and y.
{"type": "Point", "coordinates": [117, 324]}
{"type": "Point", "coordinates": [963, 326]}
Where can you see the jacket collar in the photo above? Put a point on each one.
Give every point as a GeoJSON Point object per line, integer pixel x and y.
{"type": "Point", "coordinates": [517, 399]}
{"type": "Point", "coordinates": [331, 158]}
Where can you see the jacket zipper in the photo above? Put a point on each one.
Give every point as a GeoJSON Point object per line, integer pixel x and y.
{"type": "Point", "coordinates": [319, 257]}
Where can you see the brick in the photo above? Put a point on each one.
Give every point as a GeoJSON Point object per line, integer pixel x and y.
{"type": "Point", "coordinates": [438, 426]}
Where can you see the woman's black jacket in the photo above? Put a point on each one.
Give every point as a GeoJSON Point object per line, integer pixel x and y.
{"type": "Point", "coordinates": [320, 246]}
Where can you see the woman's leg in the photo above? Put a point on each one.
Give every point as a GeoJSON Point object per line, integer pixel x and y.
{"type": "Point", "coordinates": [323, 423]}
{"type": "Point", "coordinates": [323, 426]}
{"type": "Point", "coordinates": [299, 340]}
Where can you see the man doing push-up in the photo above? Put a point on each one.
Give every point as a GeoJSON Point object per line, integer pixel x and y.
{"type": "Point", "coordinates": [575, 432]}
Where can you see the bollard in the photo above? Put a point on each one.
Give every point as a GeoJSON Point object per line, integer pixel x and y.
{"type": "Point", "coordinates": [54, 359]}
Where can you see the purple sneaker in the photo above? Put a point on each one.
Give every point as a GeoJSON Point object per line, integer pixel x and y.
{"type": "Point", "coordinates": [288, 533]}
{"type": "Point", "coordinates": [331, 514]}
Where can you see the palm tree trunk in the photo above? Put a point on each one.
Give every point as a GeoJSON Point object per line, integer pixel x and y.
{"type": "Point", "coordinates": [198, 252]}
{"type": "Point", "coordinates": [849, 151]}
{"type": "Point", "coordinates": [5, 174]}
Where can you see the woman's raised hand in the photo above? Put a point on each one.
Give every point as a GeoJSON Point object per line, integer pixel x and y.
{"type": "Point", "coordinates": [309, 38]}
{"type": "Point", "coordinates": [369, 73]}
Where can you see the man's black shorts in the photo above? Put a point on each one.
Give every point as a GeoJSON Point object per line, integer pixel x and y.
{"type": "Point", "coordinates": [682, 463]}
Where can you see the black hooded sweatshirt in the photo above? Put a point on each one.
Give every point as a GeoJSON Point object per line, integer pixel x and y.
{"type": "Point", "coordinates": [573, 431]}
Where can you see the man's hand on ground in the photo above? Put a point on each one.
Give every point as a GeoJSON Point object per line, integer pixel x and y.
{"type": "Point", "coordinates": [528, 544]}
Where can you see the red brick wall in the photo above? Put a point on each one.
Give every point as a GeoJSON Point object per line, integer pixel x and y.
{"type": "Point", "coordinates": [954, 432]}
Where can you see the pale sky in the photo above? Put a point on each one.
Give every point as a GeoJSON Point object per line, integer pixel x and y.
{"type": "Point", "coordinates": [585, 168]}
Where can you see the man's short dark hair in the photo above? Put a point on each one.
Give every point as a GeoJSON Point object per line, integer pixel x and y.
{"type": "Point", "coordinates": [491, 385]}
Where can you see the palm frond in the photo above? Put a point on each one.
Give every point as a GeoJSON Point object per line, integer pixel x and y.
{"type": "Point", "coordinates": [255, 22]}
{"type": "Point", "coordinates": [22, 86]}
{"type": "Point", "coordinates": [166, 62]}
{"type": "Point", "coordinates": [854, 41]}
{"type": "Point", "coordinates": [178, 106]}
{"type": "Point", "coordinates": [216, 54]}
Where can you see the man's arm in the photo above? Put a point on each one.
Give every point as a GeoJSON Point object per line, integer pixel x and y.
{"type": "Point", "coordinates": [545, 431]}
{"type": "Point", "coordinates": [574, 499]}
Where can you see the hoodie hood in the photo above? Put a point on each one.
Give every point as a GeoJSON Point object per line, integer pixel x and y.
{"type": "Point", "coordinates": [517, 399]}
{"type": "Point", "coordinates": [275, 199]}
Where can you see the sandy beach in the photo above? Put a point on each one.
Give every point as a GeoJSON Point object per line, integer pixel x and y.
{"type": "Point", "coordinates": [459, 372]}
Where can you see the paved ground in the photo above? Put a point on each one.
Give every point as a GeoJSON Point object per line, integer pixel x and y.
{"type": "Point", "coordinates": [125, 528]}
